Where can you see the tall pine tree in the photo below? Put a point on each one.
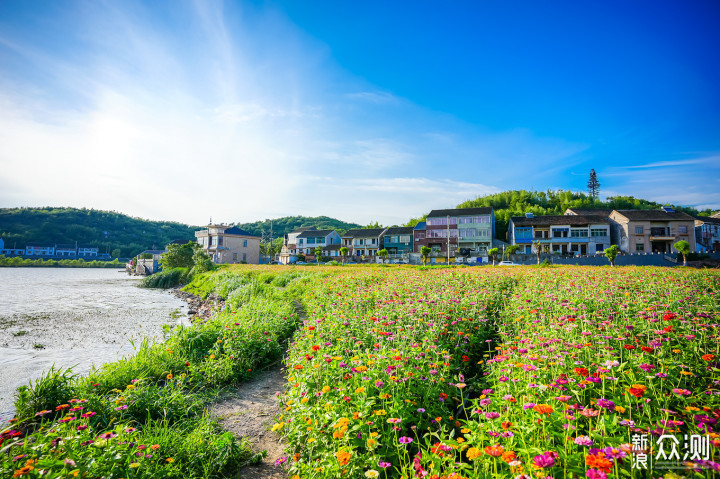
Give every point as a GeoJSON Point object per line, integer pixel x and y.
{"type": "Point", "coordinates": [593, 185]}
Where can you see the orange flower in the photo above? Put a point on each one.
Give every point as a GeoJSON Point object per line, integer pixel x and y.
{"type": "Point", "coordinates": [494, 451]}
{"type": "Point", "coordinates": [599, 462]}
{"type": "Point", "coordinates": [708, 357]}
{"type": "Point", "coordinates": [343, 457]}
{"type": "Point", "coordinates": [508, 456]}
{"type": "Point", "coordinates": [473, 453]}
{"type": "Point", "coordinates": [23, 471]}
{"type": "Point", "coordinates": [637, 390]}
{"type": "Point", "coordinates": [506, 425]}
{"type": "Point", "coordinates": [543, 408]}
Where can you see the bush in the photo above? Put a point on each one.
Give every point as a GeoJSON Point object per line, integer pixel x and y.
{"type": "Point", "coordinates": [167, 278]}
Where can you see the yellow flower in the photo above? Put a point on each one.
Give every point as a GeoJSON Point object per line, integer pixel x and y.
{"type": "Point", "coordinates": [473, 453]}
{"type": "Point", "coordinates": [464, 430]}
{"type": "Point", "coordinates": [620, 409]}
{"type": "Point", "coordinates": [170, 459]}
{"type": "Point", "coordinates": [359, 390]}
{"type": "Point", "coordinates": [135, 464]}
{"type": "Point", "coordinates": [278, 426]}
{"type": "Point", "coordinates": [130, 386]}
{"type": "Point", "coordinates": [326, 389]}
{"type": "Point", "coordinates": [372, 473]}
{"type": "Point", "coordinates": [312, 439]}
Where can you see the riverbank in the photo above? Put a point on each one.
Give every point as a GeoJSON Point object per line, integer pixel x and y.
{"type": "Point", "coordinates": [157, 398]}
{"type": "Point", "coordinates": [18, 262]}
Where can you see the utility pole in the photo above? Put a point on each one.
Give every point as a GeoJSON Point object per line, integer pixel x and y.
{"type": "Point", "coordinates": [448, 240]}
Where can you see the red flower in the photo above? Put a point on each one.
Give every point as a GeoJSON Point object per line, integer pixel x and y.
{"type": "Point", "coordinates": [646, 349]}
{"type": "Point", "coordinates": [465, 359]}
{"type": "Point", "coordinates": [582, 372]}
{"type": "Point", "coordinates": [629, 346]}
{"type": "Point", "coordinates": [669, 316]}
{"type": "Point", "coordinates": [443, 396]}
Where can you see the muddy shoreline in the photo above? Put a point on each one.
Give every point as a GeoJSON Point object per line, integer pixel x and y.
{"type": "Point", "coordinates": [199, 310]}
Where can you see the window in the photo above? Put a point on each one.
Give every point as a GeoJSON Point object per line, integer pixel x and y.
{"type": "Point", "coordinates": [235, 256]}
{"type": "Point", "coordinates": [404, 239]}
{"type": "Point", "coordinates": [560, 232]}
{"type": "Point", "coordinates": [581, 233]}
{"type": "Point", "coordinates": [522, 233]}
{"type": "Point", "coordinates": [468, 232]}
{"type": "Point", "coordinates": [311, 240]}
{"type": "Point", "coordinates": [244, 246]}
{"type": "Point", "coordinates": [682, 230]}
{"type": "Point", "coordinates": [640, 247]}
{"type": "Point", "coordinates": [321, 241]}
{"type": "Point", "coordinates": [596, 232]}
{"type": "Point", "coordinates": [638, 230]}
{"type": "Point", "coordinates": [244, 257]}
{"type": "Point", "coordinates": [220, 240]}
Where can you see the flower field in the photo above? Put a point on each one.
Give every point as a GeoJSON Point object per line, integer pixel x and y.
{"type": "Point", "coordinates": [408, 373]}
{"type": "Point", "coordinates": [496, 373]}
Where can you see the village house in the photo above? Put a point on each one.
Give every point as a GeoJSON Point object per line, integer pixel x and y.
{"type": "Point", "coordinates": [464, 231]}
{"type": "Point", "coordinates": [40, 249]}
{"type": "Point", "coordinates": [227, 244]}
{"type": "Point", "coordinates": [636, 231]}
{"type": "Point", "coordinates": [307, 241]}
{"type": "Point", "coordinates": [288, 251]}
{"type": "Point", "coordinates": [563, 234]}
{"type": "Point", "coordinates": [707, 234]}
{"type": "Point", "coordinates": [65, 251]}
{"type": "Point", "coordinates": [398, 241]}
{"type": "Point", "coordinates": [86, 251]}
{"type": "Point", "coordinates": [362, 243]}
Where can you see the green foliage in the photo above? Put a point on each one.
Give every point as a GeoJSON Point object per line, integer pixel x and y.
{"type": "Point", "coordinates": [383, 253]}
{"type": "Point", "coordinates": [494, 253]}
{"type": "Point", "coordinates": [287, 224]}
{"type": "Point", "coordinates": [179, 255]}
{"type": "Point", "coordinates": [683, 247]}
{"type": "Point", "coordinates": [167, 278]}
{"type": "Point", "coordinates": [46, 392]}
{"type": "Point", "coordinates": [375, 225]}
{"type": "Point", "coordinates": [17, 262]}
{"type": "Point", "coordinates": [512, 249]}
{"type": "Point", "coordinates": [414, 221]}
{"type": "Point", "coordinates": [201, 262]}
{"type": "Point", "coordinates": [611, 253]}
{"type": "Point", "coordinates": [104, 229]}
{"type": "Point", "coordinates": [424, 253]}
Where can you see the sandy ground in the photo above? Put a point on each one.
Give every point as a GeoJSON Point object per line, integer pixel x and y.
{"type": "Point", "coordinates": [250, 413]}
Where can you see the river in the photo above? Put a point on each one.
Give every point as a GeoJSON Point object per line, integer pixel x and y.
{"type": "Point", "coordinates": [73, 317]}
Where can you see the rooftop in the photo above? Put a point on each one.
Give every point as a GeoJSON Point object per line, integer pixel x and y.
{"type": "Point", "coordinates": [570, 220]}
{"type": "Point", "coordinates": [588, 211]}
{"type": "Point", "coordinates": [399, 230]}
{"type": "Point", "coordinates": [460, 212]}
{"type": "Point", "coordinates": [313, 233]}
{"type": "Point", "coordinates": [654, 215]}
{"type": "Point", "coordinates": [364, 233]}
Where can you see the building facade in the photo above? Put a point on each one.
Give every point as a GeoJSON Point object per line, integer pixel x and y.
{"type": "Point", "coordinates": [363, 243]}
{"type": "Point", "coordinates": [656, 231]}
{"type": "Point", "coordinates": [227, 244]}
{"type": "Point", "coordinates": [562, 234]}
{"type": "Point", "coordinates": [398, 241]}
{"type": "Point", "coordinates": [462, 232]}
{"type": "Point", "coordinates": [707, 234]}
{"type": "Point", "coordinates": [309, 240]}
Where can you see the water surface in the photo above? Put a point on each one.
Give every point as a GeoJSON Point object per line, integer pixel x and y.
{"type": "Point", "coordinates": [73, 317]}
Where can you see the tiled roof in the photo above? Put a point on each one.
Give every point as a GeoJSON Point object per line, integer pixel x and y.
{"type": "Point", "coordinates": [399, 230]}
{"type": "Point", "coordinates": [154, 251]}
{"type": "Point", "coordinates": [654, 215]}
{"type": "Point", "coordinates": [364, 233]}
{"type": "Point", "coordinates": [592, 212]}
{"type": "Point", "coordinates": [571, 220]}
{"type": "Point", "coordinates": [40, 245]}
{"type": "Point", "coordinates": [460, 212]}
{"type": "Point", "coordinates": [332, 247]}
{"type": "Point", "coordinates": [708, 219]}
{"type": "Point", "coordinates": [237, 231]}
{"type": "Point", "coordinates": [314, 233]}
{"type": "Point", "coordinates": [303, 228]}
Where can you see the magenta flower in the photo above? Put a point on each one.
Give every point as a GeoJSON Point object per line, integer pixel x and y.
{"type": "Point", "coordinates": [405, 440]}
{"type": "Point", "coordinates": [544, 461]}
{"type": "Point", "coordinates": [384, 464]}
{"type": "Point", "coordinates": [583, 441]}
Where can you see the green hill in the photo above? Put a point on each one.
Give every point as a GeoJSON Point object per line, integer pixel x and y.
{"type": "Point", "coordinates": [115, 233]}
{"type": "Point", "coordinates": [283, 226]}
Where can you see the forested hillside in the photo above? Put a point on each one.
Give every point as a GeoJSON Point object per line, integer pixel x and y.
{"type": "Point", "coordinates": [115, 233]}
{"type": "Point", "coordinates": [282, 226]}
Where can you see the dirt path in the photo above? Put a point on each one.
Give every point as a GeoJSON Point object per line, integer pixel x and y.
{"type": "Point", "coordinates": [250, 414]}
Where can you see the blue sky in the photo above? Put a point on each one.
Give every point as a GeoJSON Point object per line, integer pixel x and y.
{"type": "Point", "coordinates": [364, 111]}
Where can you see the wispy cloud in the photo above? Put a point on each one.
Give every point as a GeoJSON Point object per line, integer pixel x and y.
{"type": "Point", "coordinates": [225, 110]}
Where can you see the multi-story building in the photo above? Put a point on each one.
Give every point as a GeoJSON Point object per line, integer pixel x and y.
{"type": "Point", "coordinates": [65, 251]}
{"type": "Point", "coordinates": [363, 242]}
{"type": "Point", "coordinates": [307, 241]}
{"type": "Point", "coordinates": [464, 231]}
{"type": "Point", "coordinates": [40, 249]}
{"type": "Point", "coordinates": [652, 230]}
{"type": "Point", "coordinates": [707, 234]}
{"type": "Point", "coordinates": [398, 241]}
{"type": "Point", "coordinates": [288, 251]}
{"type": "Point", "coordinates": [563, 234]}
{"type": "Point", "coordinates": [87, 251]}
{"type": "Point", "coordinates": [229, 244]}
